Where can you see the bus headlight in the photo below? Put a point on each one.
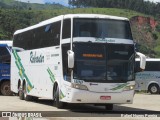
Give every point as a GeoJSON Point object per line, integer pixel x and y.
{"type": "Point", "coordinates": [130, 87]}
{"type": "Point", "coordinates": [79, 86]}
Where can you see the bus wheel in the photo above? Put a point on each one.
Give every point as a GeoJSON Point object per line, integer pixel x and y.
{"type": "Point", "coordinates": [5, 88]}
{"type": "Point", "coordinates": [26, 97]}
{"type": "Point", "coordinates": [109, 107]}
{"type": "Point", "coordinates": [58, 103]}
{"type": "Point", "coordinates": [21, 93]}
{"type": "Point", "coordinates": [153, 89]}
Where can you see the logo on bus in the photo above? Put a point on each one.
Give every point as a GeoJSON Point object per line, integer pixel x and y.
{"type": "Point", "coordinates": [105, 40]}
{"type": "Point", "coordinates": [34, 58]}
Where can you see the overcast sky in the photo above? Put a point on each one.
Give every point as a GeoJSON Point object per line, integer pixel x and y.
{"type": "Point", "coordinates": [63, 2]}
{"type": "Point", "coordinates": [153, 0]}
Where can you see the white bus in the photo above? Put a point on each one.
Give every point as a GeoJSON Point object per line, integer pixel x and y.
{"type": "Point", "coordinates": [69, 59]}
{"type": "Point", "coordinates": [149, 79]}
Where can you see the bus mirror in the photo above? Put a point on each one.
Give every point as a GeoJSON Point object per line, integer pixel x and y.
{"type": "Point", "coordinates": [70, 59]}
{"type": "Point", "coordinates": [142, 60]}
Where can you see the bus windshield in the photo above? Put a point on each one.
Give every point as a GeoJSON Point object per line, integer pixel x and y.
{"type": "Point", "coordinates": [101, 28]}
{"type": "Point", "coordinates": [104, 62]}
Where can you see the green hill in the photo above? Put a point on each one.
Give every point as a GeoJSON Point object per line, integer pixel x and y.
{"type": "Point", "coordinates": [25, 17]}
{"type": "Point", "coordinates": [13, 19]}
{"type": "Point", "coordinates": [12, 4]}
{"type": "Point", "coordinates": [106, 11]}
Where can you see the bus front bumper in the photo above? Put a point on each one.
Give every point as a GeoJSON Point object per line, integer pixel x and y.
{"type": "Point", "coordinates": [82, 96]}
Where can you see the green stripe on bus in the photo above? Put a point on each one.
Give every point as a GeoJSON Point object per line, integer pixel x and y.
{"type": "Point", "coordinates": [120, 86]}
{"type": "Point", "coordinates": [52, 77]}
{"type": "Point", "coordinates": [21, 72]}
{"type": "Point", "coordinates": [61, 96]}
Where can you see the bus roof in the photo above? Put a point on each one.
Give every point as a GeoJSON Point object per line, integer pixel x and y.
{"type": "Point", "coordinates": [6, 42]}
{"type": "Point", "coordinates": [149, 59]}
{"type": "Point", "coordinates": [54, 19]}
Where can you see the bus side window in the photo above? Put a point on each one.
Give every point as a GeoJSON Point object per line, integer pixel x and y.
{"type": "Point", "coordinates": [50, 35]}
{"type": "Point", "coordinates": [18, 41]}
{"type": "Point", "coordinates": [66, 31]}
{"type": "Point", "coordinates": [56, 28]}
{"type": "Point", "coordinates": [152, 66]}
{"type": "Point", "coordinates": [27, 39]}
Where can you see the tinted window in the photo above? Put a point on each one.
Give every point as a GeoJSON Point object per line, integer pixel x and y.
{"type": "Point", "coordinates": [18, 41]}
{"type": "Point", "coordinates": [55, 34]}
{"type": "Point", "coordinates": [45, 36]}
{"type": "Point", "coordinates": [101, 28]}
{"type": "Point", "coordinates": [103, 62]}
{"type": "Point", "coordinates": [4, 55]}
{"type": "Point", "coordinates": [24, 40]}
{"type": "Point", "coordinates": [150, 65]}
{"type": "Point", "coordinates": [66, 33]}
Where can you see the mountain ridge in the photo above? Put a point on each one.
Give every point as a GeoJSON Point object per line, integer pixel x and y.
{"type": "Point", "coordinates": [145, 29]}
{"type": "Point", "coordinates": [12, 4]}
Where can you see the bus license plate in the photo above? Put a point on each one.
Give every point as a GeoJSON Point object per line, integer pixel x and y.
{"type": "Point", "coordinates": [105, 97]}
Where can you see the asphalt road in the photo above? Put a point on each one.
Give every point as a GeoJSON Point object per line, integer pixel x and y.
{"type": "Point", "coordinates": [145, 106]}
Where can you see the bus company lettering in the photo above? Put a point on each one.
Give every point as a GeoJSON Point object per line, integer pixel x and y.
{"type": "Point", "coordinates": [34, 58]}
{"type": "Point", "coordinates": [105, 40]}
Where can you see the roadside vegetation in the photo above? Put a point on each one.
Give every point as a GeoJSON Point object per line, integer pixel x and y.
{"type": "Point", "coordinates": [17, 15]}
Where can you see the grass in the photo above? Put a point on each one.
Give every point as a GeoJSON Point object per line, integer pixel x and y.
{"type": "Point", "coordinates": [106, 11]}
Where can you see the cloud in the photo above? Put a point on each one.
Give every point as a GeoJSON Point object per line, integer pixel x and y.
{"type": "Point", "coordinates": [153, 1]}
{"type": "Point", "coordinates": [32, 1]}
{"type": "Point", "coordinates": [63, 2]}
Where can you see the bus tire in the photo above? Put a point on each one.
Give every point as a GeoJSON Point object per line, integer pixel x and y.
{"type": "Point", "coordinates": [21, 93]}
{"type": "Point", "coordinates": [5, 88]}
{"type": "Point", "coordinates": [26, 97]}
{"type": "Point", "coordinates": [58, 103]}
{"type": "Point", "coordinates": [154, 88]}
{"type": "Point", "coordinates": [109, 107]}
